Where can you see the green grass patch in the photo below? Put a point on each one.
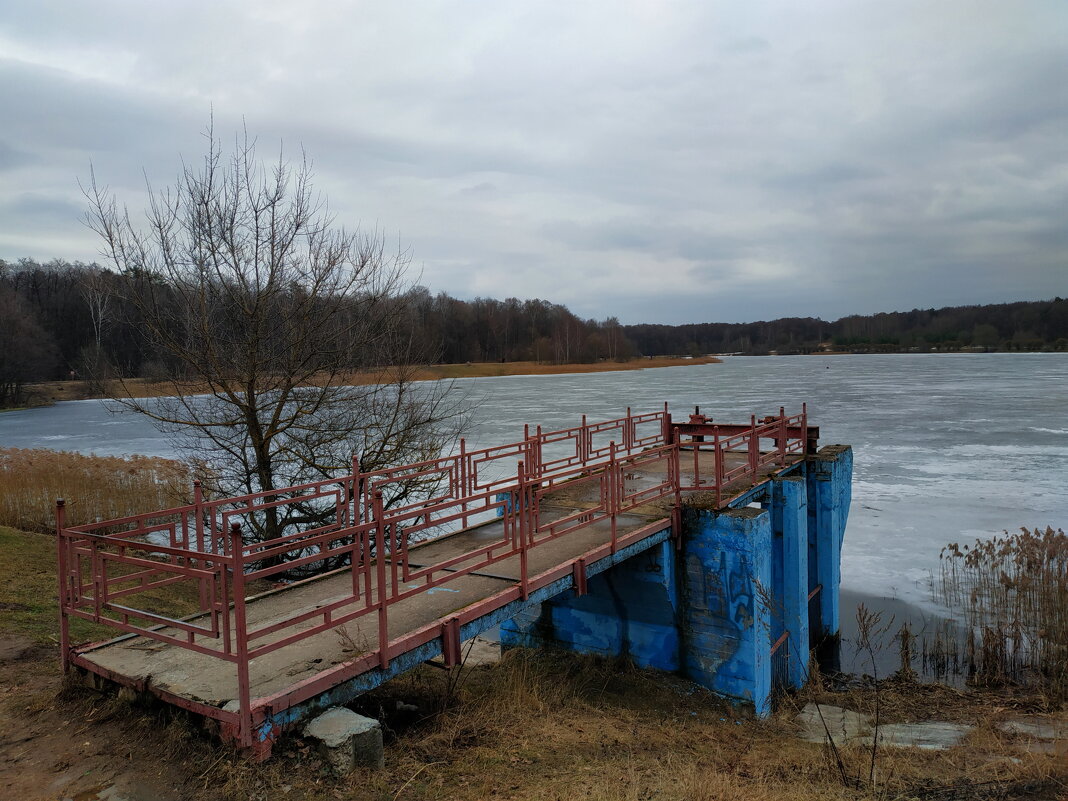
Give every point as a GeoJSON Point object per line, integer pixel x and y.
{"type": "Point", "coordinates": [29, 592]}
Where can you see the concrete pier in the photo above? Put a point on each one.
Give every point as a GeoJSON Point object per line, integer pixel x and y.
{"type": "Point", "coordinates": [829, 479]}
{"type": "Point", "coordinates": [630, 610]}
{"type": "Point", "coordinates": [704, 548]}
{"type": "Point", "coordinates": [735, 586]}
{"type": "Point", "coordinates": [790, 581]}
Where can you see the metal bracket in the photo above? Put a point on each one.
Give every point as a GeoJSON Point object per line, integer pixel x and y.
{"type": "Point", "coordinates": [578, 570]}
{"type": "Point", "coordinates": [450, 642]}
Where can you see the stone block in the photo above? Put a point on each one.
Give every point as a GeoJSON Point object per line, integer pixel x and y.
{"type": "Point", "coordinates": [841, 724]}
{"type": "Point", "coordinates": [932, 735]}
{"type": "Point", "coordinates": [1036, 728]}
{"type": "Point", "coordinates": [347, 740]}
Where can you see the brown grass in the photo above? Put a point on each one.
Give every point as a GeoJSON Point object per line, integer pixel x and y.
{"type": "Point", "coordinates": [53, 391]}
{"type": "Point", "coordinates": [544, 725]}
{"type": "Point", "coordinates": [94, 487]}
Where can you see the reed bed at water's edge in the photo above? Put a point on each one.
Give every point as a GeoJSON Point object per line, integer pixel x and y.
{"type": "Point", "coordinates": [94, 487]}
{"type": "Point", "coordinates": [1012, 594]}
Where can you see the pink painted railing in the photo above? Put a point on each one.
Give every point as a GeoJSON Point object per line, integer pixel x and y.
{"type": "Point", "coordinates": [200, 545]}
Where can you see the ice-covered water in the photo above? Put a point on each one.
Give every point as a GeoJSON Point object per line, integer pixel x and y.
{"type": "Point", "coordinates": [947, 447]}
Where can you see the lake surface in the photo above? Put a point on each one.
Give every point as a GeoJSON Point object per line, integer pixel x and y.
{"type": "Point", "coordinates": [947, 447]}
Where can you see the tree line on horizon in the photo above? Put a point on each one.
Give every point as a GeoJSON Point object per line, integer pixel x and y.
{"type": "Point", "coordinates": [61, 320]}
{"type": "Point", "coordinates": [1020, 326]}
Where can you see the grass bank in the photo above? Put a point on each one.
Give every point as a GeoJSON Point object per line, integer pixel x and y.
{"type": "Point", "coordinates": [54, 391]}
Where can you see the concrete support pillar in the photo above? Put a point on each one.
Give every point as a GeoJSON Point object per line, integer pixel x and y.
{"type": "Point", "coordinates": [726, 622]}
{"type": "Point", "coordinates": [829, 476]}
{"type": "Point", "coordinates": [629, 610]}
{"type": "Point", "coordinates": [789, 522]}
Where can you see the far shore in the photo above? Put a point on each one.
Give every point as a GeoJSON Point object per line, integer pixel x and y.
{"type": "Point", "coordinates": [56, 391]}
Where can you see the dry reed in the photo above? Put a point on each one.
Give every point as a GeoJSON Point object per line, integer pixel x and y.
{"type": "Point", "coordinates": [1012, 592]}
{"type": "Point", "coordinates": [94, 487]}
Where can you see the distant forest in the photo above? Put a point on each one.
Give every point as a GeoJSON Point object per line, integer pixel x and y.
{"type": "Point", "coordinates": [1023, 326]}
{"type": "Point", "coordinates": [62, 319]}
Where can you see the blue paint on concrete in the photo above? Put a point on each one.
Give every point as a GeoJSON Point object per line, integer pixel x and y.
{"type": "Point", "coordinates": [725, 620]}
{"type": "Point", "coordinates": [630, 610]}
{"type": "Point", "coordinates": [830, 475]}
{"type": "Point", "coordinates": [345, 692]}
{"type": "Point", "coordinates": [789, 523]}
{"type": "Point", "coordinates": [710, 611]}
{"type": "Point", "coordinates": [507, 501]}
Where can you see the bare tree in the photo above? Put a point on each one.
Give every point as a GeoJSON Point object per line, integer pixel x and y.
{"type": "Point", "coordinates": [98, 297]}
{"type": "Point", "coordinates": [269, 311]}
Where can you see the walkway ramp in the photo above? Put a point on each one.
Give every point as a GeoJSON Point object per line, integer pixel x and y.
{"type": "Point", "coordinates": [481, 545]}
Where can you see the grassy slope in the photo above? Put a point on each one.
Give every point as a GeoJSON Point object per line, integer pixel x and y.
{"type": "Point", "coordinates": [535, 726]}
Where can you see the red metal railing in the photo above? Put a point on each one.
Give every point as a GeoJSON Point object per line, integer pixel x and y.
{"type": "Point", "coordinates": [200, 545]}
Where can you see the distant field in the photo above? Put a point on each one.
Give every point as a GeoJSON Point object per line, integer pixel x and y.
{"type": "Point", "coordinates": [53, 391]}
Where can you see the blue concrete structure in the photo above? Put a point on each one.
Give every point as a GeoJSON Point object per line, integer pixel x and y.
{"type": "Point", "coordinates": [726, 615]}
{"type": "Point", "coordinates": [790, 580]}
{"type": "Point", "coordinates": [630, 610]}
{"type": "Point", "coordinates": [712, 606]}
{"type": "Point", "coordinates": [829, 474]}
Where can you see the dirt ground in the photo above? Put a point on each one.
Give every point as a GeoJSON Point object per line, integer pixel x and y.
{"type": "Point", "coordinates": [531, 727]}
{"type": "Point", "coordinates": [57, 744]}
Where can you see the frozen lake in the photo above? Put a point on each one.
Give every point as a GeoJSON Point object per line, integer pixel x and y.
{"type": "Point", "coordinates": [947, 447]}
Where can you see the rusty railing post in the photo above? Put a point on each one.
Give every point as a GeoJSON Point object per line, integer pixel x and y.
{"type": "Point", "coordinates": [782, 436]}
{"type": "Point", "coordinates": [198, 512]}
{"type": "Point", "coordinates": [354, 490]}
{"type": "Point", "coordinates": [524, 526]}
{"type": "Point", "coordinates": [538, 455]}
{"type": "Point", "coordinates": [64, 596]}
{"type": "Point", "coordinates": [675, 477]}
{"type": "Point", "coordinates": [380, 568]}
{"type": "Point", "coordinates": [244, 691]}
{"type": "Point", "coordinates": [718, 465]}
{"type": "Point", "coordinates": [613, 493]}
{"type": "Point", "coordinates": [754, 445]}
{"type": "Point", "coordinates": [461, 477]}
{"type": "Point", "coordinates": [354, 522]}
{"type": "Point", "coordinates": [198, 529]}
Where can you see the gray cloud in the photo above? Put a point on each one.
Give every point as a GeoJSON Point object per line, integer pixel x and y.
{"type": "Point", "coordinates": [658, 162]}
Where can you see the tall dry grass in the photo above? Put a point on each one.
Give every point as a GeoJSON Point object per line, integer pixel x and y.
{"type": "Point", "coordinates": [1012, 592]}
{"type": "Point", "coordinates": [94, 487]}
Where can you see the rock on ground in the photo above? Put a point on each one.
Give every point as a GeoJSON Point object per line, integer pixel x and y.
{"type": "Point", "coordinates": [931, 735]}
{"type": "Point", "coordinates": [841, 724]}
{"type": "Point", "coordinates": [347, 740]}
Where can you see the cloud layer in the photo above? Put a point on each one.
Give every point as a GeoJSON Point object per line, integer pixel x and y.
{"type": "Point", "coordinates": [662, 162]}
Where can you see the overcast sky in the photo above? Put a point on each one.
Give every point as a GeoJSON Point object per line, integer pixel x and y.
{"type": "Point", "coordinates": [657, 161]}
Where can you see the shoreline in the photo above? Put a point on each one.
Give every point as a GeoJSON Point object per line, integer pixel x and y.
{"type": "Point", "coordinates": [56, 391]}
{"type": "Point", "coordinates": [894, 613]}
